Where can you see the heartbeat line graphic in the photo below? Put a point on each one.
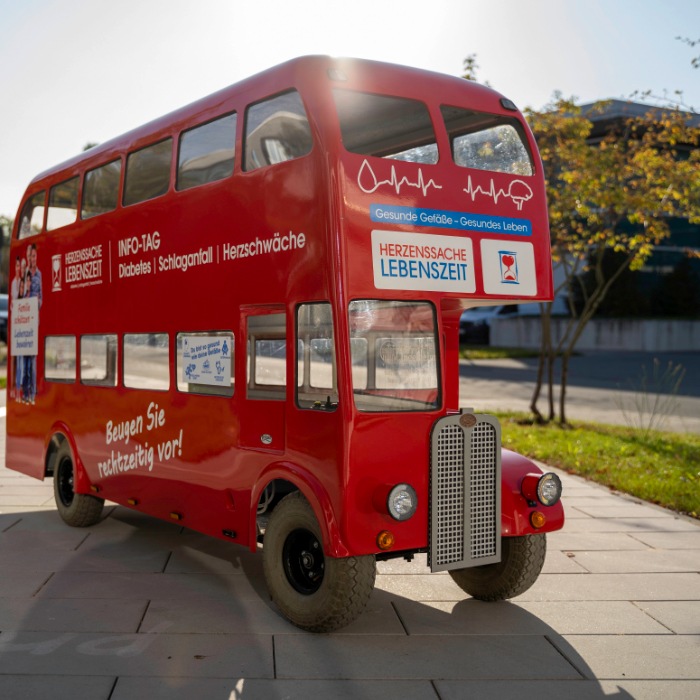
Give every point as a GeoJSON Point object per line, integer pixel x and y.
{"type": "Point", "coordinates": [368, 182]}
{"type": "Point", "coordinates": [519, 191]}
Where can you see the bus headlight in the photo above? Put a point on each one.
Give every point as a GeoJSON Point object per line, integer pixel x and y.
{"type": "Point", "coordinates": [545, 488]}
{"type": "Point", "coordinates": [402, 502]}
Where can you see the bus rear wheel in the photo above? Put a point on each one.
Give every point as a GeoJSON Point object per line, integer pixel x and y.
{"type": "Point", "coordinates": [314, 592]}
{"type": "Point", "coordinates": [76, 509]}
{"type": "Point", "coordinates": [522, 559]}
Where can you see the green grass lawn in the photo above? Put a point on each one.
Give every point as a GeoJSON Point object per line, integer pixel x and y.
{"type": "Point", "coordinates": [659, 467]}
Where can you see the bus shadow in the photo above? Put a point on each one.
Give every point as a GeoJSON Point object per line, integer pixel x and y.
{"type": "Point", "coordinates": [150, 609]}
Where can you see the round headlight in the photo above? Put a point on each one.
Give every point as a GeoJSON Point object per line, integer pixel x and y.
{"type": "Point", "coordinates": [402, 502]}
{"type": "Point", "coordinates": [549, 489]}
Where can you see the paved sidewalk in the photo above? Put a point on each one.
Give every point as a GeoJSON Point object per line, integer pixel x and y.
{"type": "Point", "coordinates": [137, 608]}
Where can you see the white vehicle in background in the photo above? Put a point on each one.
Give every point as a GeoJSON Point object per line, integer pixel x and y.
{"type": "Point", "coordinates": [475, 324]}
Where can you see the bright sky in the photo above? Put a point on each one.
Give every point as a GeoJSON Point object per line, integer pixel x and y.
{"type": "Point", "coordinates": [78, 71]}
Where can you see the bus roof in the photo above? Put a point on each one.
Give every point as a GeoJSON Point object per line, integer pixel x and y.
{"type": "Point", "coordinates": [349, 72]}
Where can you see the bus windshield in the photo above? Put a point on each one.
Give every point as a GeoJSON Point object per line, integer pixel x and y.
{"type": "Point", "coordinates": [393, 346]}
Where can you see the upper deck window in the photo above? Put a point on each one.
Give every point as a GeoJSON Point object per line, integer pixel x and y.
{"type": "Point", "coordinates": [63, 204]}
{"type": "Point", "coordinates": [148, 172]}
{"type": "Point", "coordinates": [387, 127]}
{"type": "Point", "coordinates": [101, 189]}
{"type": "Point", "coordinates": [207, 153]}
{"type": "Point", "coordinates": [32, 217]}
{"type": "Point", "coordinates": [487, 141]}
{"type": "Point", "coordinates": [276, 130]}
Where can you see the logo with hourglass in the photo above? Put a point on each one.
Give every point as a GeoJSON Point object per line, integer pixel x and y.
{"type": "Point", "coordinates": [509, 266]}
{"type": "Point", "coordinates": [56, 273]}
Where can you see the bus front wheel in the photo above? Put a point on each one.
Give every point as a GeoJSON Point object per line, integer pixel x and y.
{"type": "Point", "coordinates": [522, 559]}
{"type": "Point", "coordinates": [314, 592]}
{"type": "Point", "coordinates": [76, 509]}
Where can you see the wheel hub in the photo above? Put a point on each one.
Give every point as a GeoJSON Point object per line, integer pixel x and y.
{"type": "Point", "coordinates": [304, 563]}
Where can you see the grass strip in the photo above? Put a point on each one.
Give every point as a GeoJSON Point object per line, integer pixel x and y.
{"type": "Point", "coordinates": [659, 467]}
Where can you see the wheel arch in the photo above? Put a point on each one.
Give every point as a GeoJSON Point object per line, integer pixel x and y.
{"type": "Point", "coordinates": [301, 479]}
{"type": "Point", "coordinates": [60, 434]}
{"type": "Point", "coordinates": [515, 510]}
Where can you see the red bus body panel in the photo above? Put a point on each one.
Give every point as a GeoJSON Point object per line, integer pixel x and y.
{"type": "Point", "coordinates": [326, 215]}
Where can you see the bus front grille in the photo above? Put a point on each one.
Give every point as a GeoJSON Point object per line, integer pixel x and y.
{"type": "Point", "coordinates": [465, 481]}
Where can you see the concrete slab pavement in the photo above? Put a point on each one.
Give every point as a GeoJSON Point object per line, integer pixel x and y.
{"type": "Point", "coordinates": [137, 608]}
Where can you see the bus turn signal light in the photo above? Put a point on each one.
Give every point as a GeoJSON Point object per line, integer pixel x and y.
{"type": "Point", "coordinates": [385, 540]}
{"type": "Point", "coordinates": [537, 519]}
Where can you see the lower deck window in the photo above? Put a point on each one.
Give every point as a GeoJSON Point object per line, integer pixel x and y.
{"type": "Point", "coordinates": [146, 361]}
{"type": "Point", "coordinates": [59, 360]}
{"type": "Point", "coordinates": [317, 385]}
{"type": "Point", "coordinates": [205, 363]}
{"type": "Point", "coordinates": [98, 360]}
{"type": "Point", "coordinates": [267, 357]}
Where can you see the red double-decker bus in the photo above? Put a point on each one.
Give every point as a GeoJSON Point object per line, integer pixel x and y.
{"type": "Point", "coordinates": [244, 317]}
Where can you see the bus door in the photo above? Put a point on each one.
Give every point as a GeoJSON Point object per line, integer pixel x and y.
{"type": "Point", "coordinates": [262, 420]}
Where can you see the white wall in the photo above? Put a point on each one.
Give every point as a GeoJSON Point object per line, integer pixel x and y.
{"type": "Point", "coordinates": [622, 334]}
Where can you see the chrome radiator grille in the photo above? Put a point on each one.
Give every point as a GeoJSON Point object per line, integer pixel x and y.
{"type": "Point", "coordinates": [465, 492]}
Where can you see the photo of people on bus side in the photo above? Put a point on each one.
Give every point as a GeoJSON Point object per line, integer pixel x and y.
{"type": "Point", "coordinates": [26, 283]}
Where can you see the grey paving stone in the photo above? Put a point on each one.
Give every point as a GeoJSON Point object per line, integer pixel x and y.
{"type": "Point", "coordinates": [212, 556]}
{"type": "Point", "coordinates": [625, 509]}
{"type": "Point", "coordinates": [418, 657]}
{"type": "Point", "coordinates": [681, 617]}
{"type": "Point", "coordinates": [149, 586]}
{"type": "Point", "coordinates": [14, 687]}
{"type": "Point", "coordinates": [558, 562]}
{"type": "Point", "coordinates": [671, 540]}
{"type": "Point", "coordinates": [468, 617]}
{"type": "Point", "coordinates": [61, 615]}
{"type": "Point", "coordinates": [30, 500]}
{"type": "Point", "coordinates": [571, 690]}
{"type": "Point", "coordinates": [630, 525]}
{"type": "Point", "coordinates": [593, 617]}
{"type": "Point", "coordinates": [258, 689]}
{"type": "Point", "coordinates": [155, 654]}
{"type": "Point", "coordinates": [245, 615]}
{"type": "Point", "coordinates": [110, 559]}
{"type": "Point", "coordinates": [637, 586]}
{"type": "Point", "coordinates": [635, 656]}
{"type": "Point", "coordinates": [514, 617]}
{"type": "Point", "coordinates": [420, 586]}
{"type": "Point", "coordinates": [21, 584]}
{"type": "Point", "coordinates": [592, 541]}
{"type": "Point", "coordinates": [66, 539]}
{"type": "Point", "coordinates": [650, 560]}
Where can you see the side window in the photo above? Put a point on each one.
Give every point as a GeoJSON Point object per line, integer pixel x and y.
{"type": "Point", "coordinates": [98, 360]}
{"type": "Point", "coordinates": [63, 204]}
{"type": "Point", "coordinates": [148, 172]}
{"type": "Point", "coordinates": [487, 141]}
{"type": "Point", "coordinates": [317, 385]}
{"type": "Point", "coordinates": [32, 217]}
{"type": "Point", "coordinates": [59, 358]}
{"type": "Point", "coordinates": [276, 130]}
{"type": "Point", "coordinates": [205, 363]}
{"type": "Point", "coordinates": [267, 357]}
{"type": "Point", "coordinates": [386, 127]}
{"type": "Point", "coordinates": [146, 361]}
{"type": "Point", "coordinates": [207, 153]}
{"type": "Point", "coordinates": [101, 189]}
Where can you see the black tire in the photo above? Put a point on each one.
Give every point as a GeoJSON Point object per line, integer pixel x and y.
{"type": "Point", "coordinates": [521, 562]}
{"type": "Point", "coordinates": [314, 592]}
{"type": "Point", "coordinates": [76, 509]}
